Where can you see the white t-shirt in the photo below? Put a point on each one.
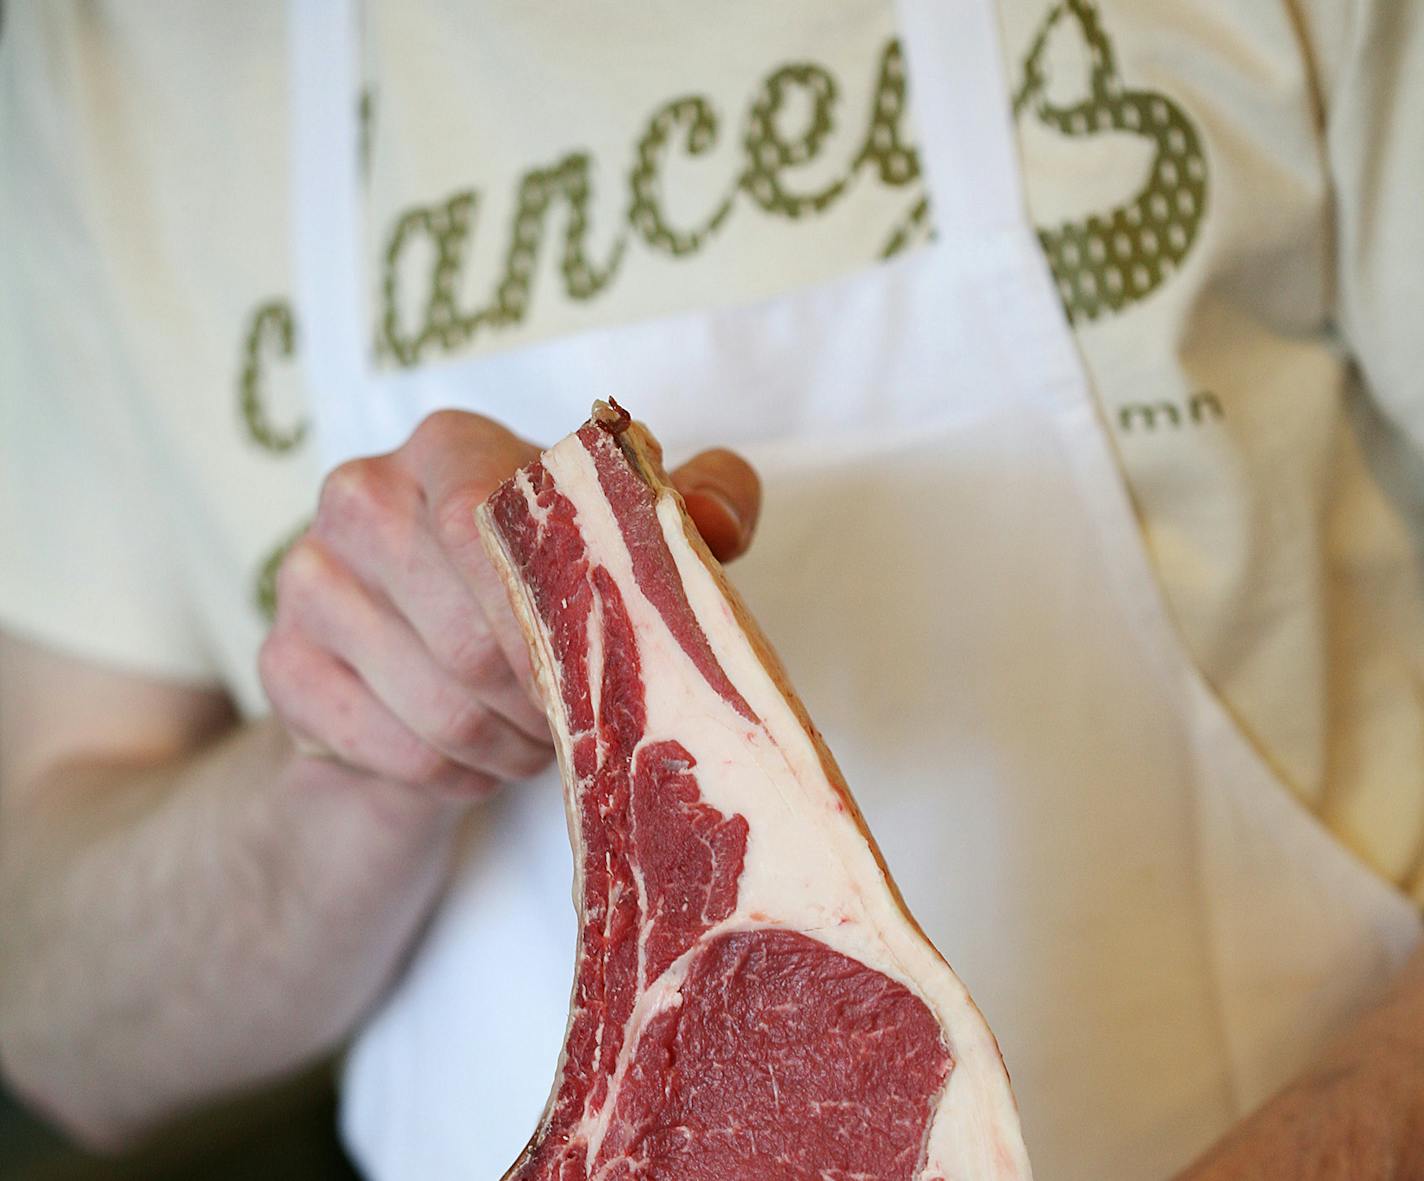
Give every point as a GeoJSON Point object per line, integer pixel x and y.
{"type": "Point", "coordinates": [1225, 193]}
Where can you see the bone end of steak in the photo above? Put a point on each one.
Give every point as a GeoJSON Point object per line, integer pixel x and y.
{"type": "Point", "coordinates": [751, 996]}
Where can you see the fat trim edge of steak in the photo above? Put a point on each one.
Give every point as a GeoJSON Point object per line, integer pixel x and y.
{"type": "Point", "coordinates": [752, 998]}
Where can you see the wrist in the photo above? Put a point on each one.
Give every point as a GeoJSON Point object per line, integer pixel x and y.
{"type": "Point", "coordinates": [402, 810]}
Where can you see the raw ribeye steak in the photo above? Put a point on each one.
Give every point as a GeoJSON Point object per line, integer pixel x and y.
{"type": "Point", "coordinates": [751, 998]}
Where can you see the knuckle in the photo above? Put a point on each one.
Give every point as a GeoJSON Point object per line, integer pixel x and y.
{"type": "Point", "coordinates": [278, 669]}
{"type": "Point", "coordinates": [440, 424]}
{"type": "Point", "coordinates": [484, 447]}
{"type": "Point", "coordinates": [466, 726]}
{"type": "Point", "coordinates": [472, 727]}
{"type": "Point", "coordinates": [473, 658]}
{"type": "Point", "coordinates": [531, 759]}
{"type": "Point", "coordinates": [454, 514]}
{"type": "Point", "coordinates": [360, 490]}
{"type": "Point", "coordinates": [424, 764]}
{"type": "Point", "coordinates": [306, 571]}
{"type": "Point", "coordinates": [717, 457]}
{"type": "Point", "coordinates": [722, 468]}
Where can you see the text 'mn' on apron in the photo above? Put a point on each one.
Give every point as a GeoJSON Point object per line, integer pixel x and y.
{"type": "Point", "coordinates": [1158, 933]}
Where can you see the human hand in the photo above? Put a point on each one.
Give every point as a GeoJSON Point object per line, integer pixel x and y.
{"type": "Point", "coordinates": [1358, 1119]}
{"type": "Point", "coordinates": [394, 649]}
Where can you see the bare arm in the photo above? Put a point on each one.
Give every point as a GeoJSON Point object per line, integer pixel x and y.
{"type": "Point", "coordinates": [188, 904]}
{"type": "Point", "coordinates": [184, 913]}
{"type": "Point", "coordinates": [1358, 1114]}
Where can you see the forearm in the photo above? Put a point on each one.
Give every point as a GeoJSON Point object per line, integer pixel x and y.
{"type": "Point", "coordinates": [170, 933]}
{"type": "Point", "coordinates": [1357, 1113]}
{"type": "Point", "coordinates": [1395, 1027]}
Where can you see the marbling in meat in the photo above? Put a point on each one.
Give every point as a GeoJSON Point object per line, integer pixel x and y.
{"type": "Point", "coordinates": [751, 998]}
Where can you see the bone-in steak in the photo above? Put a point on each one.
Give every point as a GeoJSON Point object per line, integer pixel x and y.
{"type": "Point", "coordinates": [751, 998]}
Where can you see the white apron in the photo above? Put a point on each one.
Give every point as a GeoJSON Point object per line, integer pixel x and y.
{"type": "Point", "coordinates": [1158, 933]}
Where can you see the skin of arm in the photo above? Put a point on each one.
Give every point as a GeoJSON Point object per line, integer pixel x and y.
{"type": "Point", "coordinates": [1358, 1114]}
{"type": "Point", "coordinates": [190, 904]}
{"type": "Point", "coordinates": [182, 927]}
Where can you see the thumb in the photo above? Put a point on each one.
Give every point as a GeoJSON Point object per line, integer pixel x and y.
{"type": "Point", "coordinates": [723, 497]}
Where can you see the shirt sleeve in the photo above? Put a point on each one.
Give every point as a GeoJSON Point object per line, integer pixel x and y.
{"type": "Point", "coordinates": [87, 556]}
{"type": "Point", "coordinates": [1369, 57]}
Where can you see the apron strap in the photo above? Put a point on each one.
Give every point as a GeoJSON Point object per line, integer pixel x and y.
{"type": "Point", "coordinates": [960, 100]}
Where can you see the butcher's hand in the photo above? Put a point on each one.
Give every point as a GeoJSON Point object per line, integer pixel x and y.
{"type": "Point", "coordinates": [394, 649]}
{"type": "Point", "coordinates": [188, 906]}
{"type": "Point", "coordinates": [1357, 1115]}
